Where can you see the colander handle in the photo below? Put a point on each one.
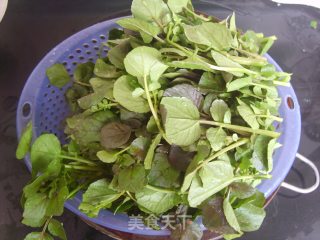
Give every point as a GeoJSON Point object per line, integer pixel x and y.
{"type": "Point", "coordinates": [309, 189]}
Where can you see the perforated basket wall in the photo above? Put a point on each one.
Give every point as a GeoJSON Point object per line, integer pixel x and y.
{"type": "Point", "coordinates": [46, 107]}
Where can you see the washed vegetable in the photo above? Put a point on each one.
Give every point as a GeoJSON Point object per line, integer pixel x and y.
{"type": "Point", "coordinates": [178, 118]}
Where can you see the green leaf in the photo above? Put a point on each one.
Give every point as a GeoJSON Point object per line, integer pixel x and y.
{"type": "Point", "coordinates": [107, 156]}
{"type": "Point", "coordinates": [44, 150]}
{"type": "Point", "coordinates": [233, 27]}
{"type": "Point", "coordinates": [122, 92]}
{"type": "Point", "coordinates": [98, 196]}
{"type": "Point", "coordinates": [248, 115]}
{"type": "Point", "coordinates": [187, 91]}
{"type": "Point", "coordinates": [86, 129]}
{"type": "Point", "coordinates": [138, 92]}
{"type": "Point", "coordinates": [210, 81]}
{"type": "Point", "coordinates": [157, 202]}
{"type": "Point", "coordinates": [181, 120]}
{"type": "Point", "coordinates": [139, 148]}
{"type": "Point", "coordinates": [177, 6]}
{"type": "Point", "coordinates": [56, 229]}
{"type": "Point", "coordinates": [58, 75]}
{"type": "Point", "coordinates": [83, 72]}
{"type": "Point", "coordinates": [230, 215]}
{"type": "Point", "coordinates": [216, 137]}
{"type": "Point", "coordinates": [203, 151]}
{"type": "Point", "coordinates": [223, 61]}
{"type": "Point", "coordinates": [152, 11]}
{"type": "Point", "coordinates": [190, 63]}
{"type": "Point", "coordinates": [102, 89]}
{"type": "Point", "coordinates": [145, 61]}
{"type": "Point", "coordinates": [238, 84]}
{"type": "Point", "coordinates": [141, 26]}
{"type": "Point", "coordinates": [260, 153]}
{"type": "Point", "coordinates": [162, 174]}
{"type": "Point", "coordinates": [208, 102]}
{"type": "Point", "coordinates": [114, 135]}
{"type": "Point", "coordinates": [212, 178]}
{"type": "Point", "coordinates": [272, 145]}
{"type": "Point", "coordinates": [150, 154]}
{"type": "Point", "coordinates": [117, 54]}
{"type": "Point", "coordinates": [104, 70]}
{"type": "Point", "coordinates": [250, 217]}
{"type": "Point", "coordinates": [192, 231]}
{"type": "Point", "coordinates": [314, 24]}
{"type": "Point", "coordinates": [213, 35]}
{"type": "Point", "coordinates": [241, 190]}
{"type": "Point", "coordinates": [25, 142]}
{"type": "Point", "coordinates": [132, 178]}
{"type": "Point", "coordinates": [213, 217]}
{"type": "Point", "coordinates": [35, 207]}
{"type": "Point", "coordinates": [218, 110]}
{"type": "Point", "coordinates": [37, 236]}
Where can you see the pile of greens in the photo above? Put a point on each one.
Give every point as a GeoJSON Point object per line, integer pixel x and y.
{"type": "Point", "coordinates": [178, 118]}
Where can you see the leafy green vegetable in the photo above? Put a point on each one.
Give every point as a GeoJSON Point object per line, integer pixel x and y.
{"type": "Point", "coordinates": [122, 92]}
{"type": "Point", "coordinates": [44, 150]}
{"type": "Point", "coordinates": [214, 218]}
{"type": "Point", "coordinates": [176, 119]}
{"type": "Point", "coordinates": [181, 119]}
{"type": "Point", "coordinates": [213, 35]}
{"type": "Point", "coordinates": [58, 75]}
{"type": "Point", "coordinates": [37, 236]}
{"type": "Point", "coordinates": [314, 24]}
{"type": "Point", "coordinates": [97, 197]}
{"type": "Point", "coordinates": [217, 138]}
{"type": "Point", "coordinates": [83, 72]}
{"type": "Point", "coordinates": [187, 91]}
{"type": "Point", "coordinates": [151, 63]}
{"type": "Point", "coordinates": [114, 135]}
{"type": "Point", "coordinates": [151, 11]}
{"type": "Point", "coordinates": [132, 179]}
{"type": "Point", "coordinates": [162, 174]}
{"type": "Point", "coordinates": [156, 201]}
{"type": "Point", "coordinates": [230, 215]}
{"type": "Point", "coordinates": [212, 178]}
{"type": "Point", "coordinates": [56, 229]}
{"type": "Point", "coordinates": [25, 142]}
{"type": "Point", "coordinates": [150, 154]}
{"type": "Point", "coordinates": [250, 217]}
{"type": "Point", "coordinates": [219, 109]}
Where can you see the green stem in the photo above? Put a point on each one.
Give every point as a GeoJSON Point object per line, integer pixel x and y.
{"type": "Point", "coordinates": [224, 150]}
{"type": "Point", "coordinates": [203, 18]}
{"type": "Point", "coordinates": [211, 66]}
{"type": "Point", "coordinates": [242, 129]}
{"type": "Point", "coordinates": [152, 109]}
{"type": "Point", "coordinates": [278, 119]}
{"type": "Point", "coordinates": [87, 168]}
{"type": "Point", "coordinates": [44, 229]}
{"type": "Point", "coordinates": [130, 196]}
{"type": "Point", "coordinates": [122, 151]}
{"type": "Point", "coordinates": [82, 84]}
{"type": "Point", "coordinates": [285, 84]}
{"type": "Point", "coordinates": [79, 160]}
{"type": "Point", "coordinates": [157, 189]}
{"type": "Point", "coordinates": [77, 189]}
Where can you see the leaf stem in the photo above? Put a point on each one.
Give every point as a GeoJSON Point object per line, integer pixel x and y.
{"type": "Point", "coordinates": [242, 128]}
{"type": "Point", "coordinates": [87, 168]}
{"type": "Point", "coordinates": [152, 109]}
{"type": "Point", "coordinates": [44, 229]}
{"type": "Point", "coordinates": [79, 160]}
{"type": "Point", "coordinates": [196, 15]}
{"type": "Point", "coordinates": [275, 118]}
{"type": "Point", "coordinates": [130, 196]}
{"type": "Point", "coordinates": [224, 150]}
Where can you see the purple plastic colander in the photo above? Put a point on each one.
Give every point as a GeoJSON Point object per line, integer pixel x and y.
{"type": "Point", "coordinates": [46, 107]}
